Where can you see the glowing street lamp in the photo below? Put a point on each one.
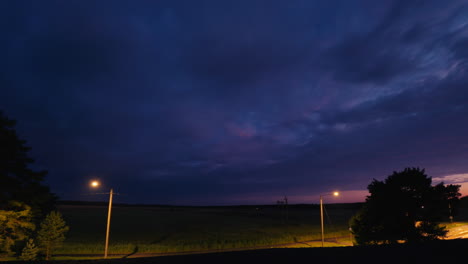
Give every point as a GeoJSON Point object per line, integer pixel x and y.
{"type": "Point", "coordinates": [96, 184]}
{"type": "Point", "coordinates": [321, 212]}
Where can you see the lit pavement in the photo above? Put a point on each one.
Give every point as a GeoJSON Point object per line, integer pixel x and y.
{"type": "Point", "coordinates": [458, 232]}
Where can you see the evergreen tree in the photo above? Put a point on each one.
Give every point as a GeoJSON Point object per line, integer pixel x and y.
{"type": "Point", "coordinates": [52, 233]}
{"type": "Point", "coordinates": [18, 181]}
{"type": "Point", "coordinates": [15, 225]}
{"type": "Point", "coordinates": [30, 251]}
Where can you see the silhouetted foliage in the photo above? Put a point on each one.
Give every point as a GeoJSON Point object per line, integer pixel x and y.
{"type": "Point", "coordinates": [404, 208]}
{"type": "Point", "coordinates": [18, 181]}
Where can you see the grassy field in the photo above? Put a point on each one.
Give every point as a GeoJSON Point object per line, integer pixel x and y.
{"type": "Point", "coordinates": [178, 229]}
{"type": "Point", "coordinates": [450, 251]}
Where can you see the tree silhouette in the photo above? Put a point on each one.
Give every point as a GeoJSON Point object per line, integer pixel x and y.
{"type": "Point", "coordinates": [404, 208]}
{"type": "Point", "coordinates": [18, 181]}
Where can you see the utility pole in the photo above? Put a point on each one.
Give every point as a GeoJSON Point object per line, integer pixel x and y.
{"type": "Point", "coordinates": [108, 222]}
{"type": "Point", "coordinates": [95, 184]}
{"type": "Point", "coordinates": [321, 218]}
{"type": "Point", "coordinates": [287, 209]}
{"type": "Point", "coordinates": [321, 213]}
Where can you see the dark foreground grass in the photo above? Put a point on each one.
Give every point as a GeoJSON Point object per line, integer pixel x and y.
{"type": "Point", "coordinates": [449, 251]}
{"type": "Point", "coordinates": [139, 229]}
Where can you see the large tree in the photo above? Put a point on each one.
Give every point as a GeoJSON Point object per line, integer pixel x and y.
{"type": "Point", "coordinates": [405, 207]}
{"type": "Point", "coordinates": [18, 182]}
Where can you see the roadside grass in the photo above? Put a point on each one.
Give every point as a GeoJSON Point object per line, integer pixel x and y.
{"type": "Point", "coordinates": [183, 229]}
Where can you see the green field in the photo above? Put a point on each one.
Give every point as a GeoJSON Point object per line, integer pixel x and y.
{"type": "Point", "coordinates": [139, 229]}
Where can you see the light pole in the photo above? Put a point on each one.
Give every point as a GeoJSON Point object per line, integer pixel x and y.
{"type": "Point", "coordinates": [111, 193]}
{"type": "Point", "coordinates": [321, 213]}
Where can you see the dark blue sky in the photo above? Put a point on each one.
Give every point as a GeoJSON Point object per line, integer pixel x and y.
{"type": "Point", "coordinates": [229, 102]}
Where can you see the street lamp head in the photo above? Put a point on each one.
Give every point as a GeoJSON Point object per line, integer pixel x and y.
{"type": "Point", "coordinates": [95, 184]}
{"type": "Point", "coordinates": [336, 193]}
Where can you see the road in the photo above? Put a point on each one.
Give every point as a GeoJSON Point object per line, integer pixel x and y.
{"type": "Point", "coordinates": [458, 232]}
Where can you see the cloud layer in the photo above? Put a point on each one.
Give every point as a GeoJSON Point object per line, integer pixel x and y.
{"type": "Point", "coordinates": [195, 101]}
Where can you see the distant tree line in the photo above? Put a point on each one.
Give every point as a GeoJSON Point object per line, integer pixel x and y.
{"type": "Point", "coordinates": [25, 202]}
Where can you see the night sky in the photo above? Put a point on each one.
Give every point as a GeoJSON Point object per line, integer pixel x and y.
{"type": "Point", "coordinates": [236, 102]}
